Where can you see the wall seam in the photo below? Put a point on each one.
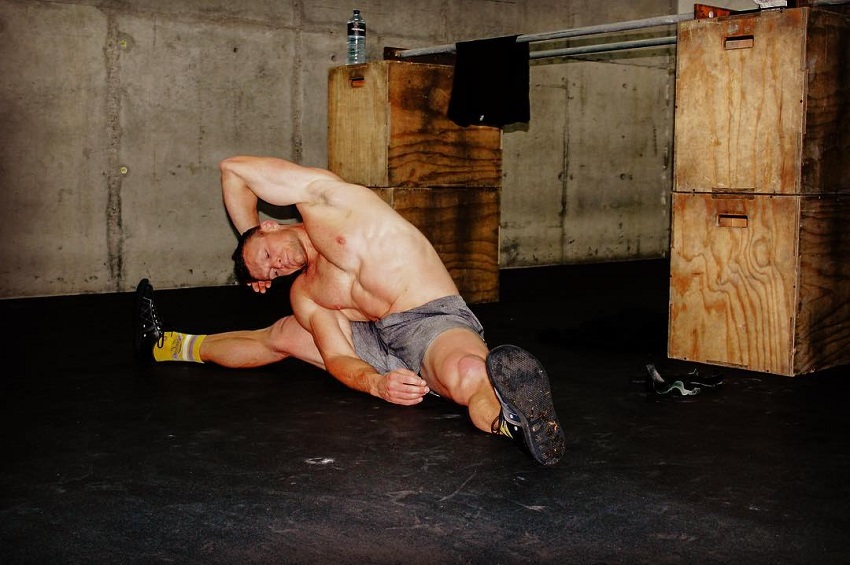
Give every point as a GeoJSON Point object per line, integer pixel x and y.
{"type": "Point", "coordinates": [296, 94]}
{"type": "Point", "coordinates": [114, 173]}
{"type": "Point", "coordinates": [565, 166]}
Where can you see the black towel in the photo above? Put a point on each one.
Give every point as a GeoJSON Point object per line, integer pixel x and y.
{"type": "Point", "coordinates": [490, 83]}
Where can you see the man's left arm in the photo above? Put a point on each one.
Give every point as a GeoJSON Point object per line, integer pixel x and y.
{"type": "Point", "coordinates": [400, 386]}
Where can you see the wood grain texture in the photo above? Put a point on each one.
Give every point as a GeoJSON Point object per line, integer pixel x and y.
{"type": "Point", "coordinates": [769, 291]}
{"type": "Point", "coordinates": [357, 123]}
{"type": "Point", "coordinates": [388, 127]}
{"type": "Point", "coordinates": [732, 289]}
{"type": "Point", "coordinates": [425, 147]}
{"type": "Point", "coordinates": [822, 329]}
{"type": "Point", "coordinates": [825, 162]}
{"type": "Point", "coordinates": [762, 105]}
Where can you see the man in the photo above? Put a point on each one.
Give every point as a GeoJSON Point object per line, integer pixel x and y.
{"type": "Point", "coordinates": [372, 304]}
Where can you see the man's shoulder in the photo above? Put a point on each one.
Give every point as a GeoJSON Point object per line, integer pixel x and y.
{"type": "Point", "coordinates": [334, 191]}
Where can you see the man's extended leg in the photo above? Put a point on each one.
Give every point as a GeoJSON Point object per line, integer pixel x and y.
{"type": "Point", "coordinates": [238, 349]}
{"type": "Point", "coordinates": [245, 349]}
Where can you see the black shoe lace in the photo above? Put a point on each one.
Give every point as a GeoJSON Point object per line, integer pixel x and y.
{"type": "Point", "coordinates": [497, 424]}
{"type": "Point", "coordinates": [153, 320]}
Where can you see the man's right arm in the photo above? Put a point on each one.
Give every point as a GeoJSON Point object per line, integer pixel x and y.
{"type": "Point", "coordinates": [245, 180]}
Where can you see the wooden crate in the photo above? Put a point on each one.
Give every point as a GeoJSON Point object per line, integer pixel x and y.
{"type": "Point", "coordinates": [463, 226]}
{"type": "Point", "coordinates": [763, 103]}
{"type": "Point", "coordinates": [760, 282]}
{"type": "Point", "coordinates": [387, 127]}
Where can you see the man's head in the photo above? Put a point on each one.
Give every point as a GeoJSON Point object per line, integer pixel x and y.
{"type": "Point", "coordinates": [243, 275]}
{"type": "Point", "coordinates": [268, 251]}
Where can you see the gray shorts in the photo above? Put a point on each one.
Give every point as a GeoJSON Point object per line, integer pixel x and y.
{"type": "Point", "coordinates": [400, 340]}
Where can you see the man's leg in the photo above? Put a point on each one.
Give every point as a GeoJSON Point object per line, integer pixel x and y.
{"type": "Point", "coordinates": [239, 349]}
{"type": "Point", "coordinates": [454, 367]}
{"type": "Point", "coordinates": [459, 366]}
{"type": "Point", "coordinates": [246, 349]}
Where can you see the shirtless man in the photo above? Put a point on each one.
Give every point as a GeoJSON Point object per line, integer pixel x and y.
{"type": "Point", "coordinates": [373, 305]}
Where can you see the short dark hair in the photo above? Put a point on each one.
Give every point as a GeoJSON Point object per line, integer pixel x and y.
{"type": "Point", "coordinates": [243, 276]}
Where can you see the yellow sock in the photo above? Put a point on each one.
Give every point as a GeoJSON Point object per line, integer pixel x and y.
{"type": "Point", "coordinates": [178, 346]}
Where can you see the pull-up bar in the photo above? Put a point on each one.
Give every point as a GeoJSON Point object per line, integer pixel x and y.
{"type": "Point", "coordinates": [576, 32]}
{"type": "Point", "coordinates": [603, 47]}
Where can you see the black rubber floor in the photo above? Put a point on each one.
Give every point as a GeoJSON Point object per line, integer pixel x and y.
{"type": "Point", "coordinates": [107, 462]}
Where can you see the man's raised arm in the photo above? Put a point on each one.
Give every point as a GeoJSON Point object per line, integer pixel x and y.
{"type": "Point", "coordinates": [245, 180]}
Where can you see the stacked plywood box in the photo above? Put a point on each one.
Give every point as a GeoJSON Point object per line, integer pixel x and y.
{"type": "Point", "coordinates": [760, 258]}
{"type": "Point", "coordinates": [388, 130]}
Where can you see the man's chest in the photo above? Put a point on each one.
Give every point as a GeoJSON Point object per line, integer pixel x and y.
{"type": "Point", "coordinates": [332, 288]}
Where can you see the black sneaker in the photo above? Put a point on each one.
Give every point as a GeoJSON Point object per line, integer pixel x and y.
{"type": "Point", "coordinates": [528, 415]}
{"type": "Point", "coordinates": [146, 324]}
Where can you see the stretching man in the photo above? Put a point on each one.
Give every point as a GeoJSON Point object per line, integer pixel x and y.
{"type": "Point", "coordinates": [372, 304]}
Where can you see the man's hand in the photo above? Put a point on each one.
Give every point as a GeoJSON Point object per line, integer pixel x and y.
{"type": "Point", "coordinates": [260, 286]}
{"type": "Point", "coordinates": [403, 386]}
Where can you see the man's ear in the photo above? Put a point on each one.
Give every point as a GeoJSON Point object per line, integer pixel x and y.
{"type": "Point", "coordinates": [269, 225]}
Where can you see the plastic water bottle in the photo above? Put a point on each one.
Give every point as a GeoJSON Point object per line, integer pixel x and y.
{"type": "Point", "coordinates": [356, 39]}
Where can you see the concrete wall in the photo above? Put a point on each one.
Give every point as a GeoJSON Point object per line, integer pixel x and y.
{"type": "Point", "coordinates": [115, 114]}
{"type": "Point", "coordinates": [590, 178]}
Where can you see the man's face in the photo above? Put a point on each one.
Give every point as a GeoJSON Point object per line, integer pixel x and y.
{"type": "Point", "coordinates": [273, 252]}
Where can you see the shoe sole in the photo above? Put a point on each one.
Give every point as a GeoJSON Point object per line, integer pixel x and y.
{"type": "Point", "coordinates": [522, 386]}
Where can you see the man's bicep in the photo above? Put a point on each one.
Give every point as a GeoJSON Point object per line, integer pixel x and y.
{"type": "Point", "coordinates": [276, 181]}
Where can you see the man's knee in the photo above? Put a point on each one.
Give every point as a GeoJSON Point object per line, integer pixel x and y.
{"type": "Point", "coordinates": [279, 336]}
{"type": "Point", "coordinates": [464, 374]}
{"type": "Point", "coordinates": [288, 339]}
{"type": "Point", "coordinates": [471, 367]}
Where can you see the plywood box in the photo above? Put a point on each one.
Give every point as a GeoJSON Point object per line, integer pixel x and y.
{"type": "Point", "coordinates": [463, 226]}
{"type": "Point", "coordinates": [760, 282]}
{"type": "Point", "coordinates": [763, 103]}
{"type": "Point", "coordinates": [388, 127]}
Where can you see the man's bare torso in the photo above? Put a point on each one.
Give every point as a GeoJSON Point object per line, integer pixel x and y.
{"type": "Point", "coordinates": [367, 260]}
